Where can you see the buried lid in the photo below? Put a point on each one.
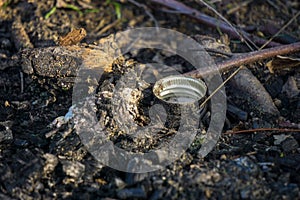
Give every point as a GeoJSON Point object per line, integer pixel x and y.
{"type": "Point", "coordinates": [180, 89]}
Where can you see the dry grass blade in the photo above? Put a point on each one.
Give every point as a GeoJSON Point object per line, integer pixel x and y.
{"type": "Point", "coordinates": [263, 130]}
{"type": "Point", "coordinates": [282, 29]}
{"type": "Point", "coordinates": [242, 36]}
{"type": "Point", "coordinates": [179, 7]}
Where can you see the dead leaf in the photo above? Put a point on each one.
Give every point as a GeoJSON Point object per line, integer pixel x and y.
{"type": "Point", "coordinates": [282, 63]}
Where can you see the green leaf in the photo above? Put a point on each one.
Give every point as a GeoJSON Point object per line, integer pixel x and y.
{"type": "Point", "coordinates": [73, 7]}
{"type": "Point", "coordinates": [118, 9]}
{"type": "Point", "coordinates": [95, 10]}
{"type": "Point", "coordinates": [107, 2]}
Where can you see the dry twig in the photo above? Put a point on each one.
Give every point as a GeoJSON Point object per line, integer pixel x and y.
{"type": "Point", "coordinates": [246, 58]}
{"type": "Point", "coordinates": [263, 130]}
{"type": "Point", "coordinates": [212, 22]}
{"type": "Point", "coordinates": [278, 32]}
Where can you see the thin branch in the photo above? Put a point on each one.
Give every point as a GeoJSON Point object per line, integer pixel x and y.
{"type": "Point", "coordinates": [262, 130]}
{"type": "Point", "coordinates": [246, 58]}
{"type": "Point", "coordinates": [278, 32]}
{"type": "Point", "coordinates": [210, 21]}
{"type": "Point", "coordinates": [242, 37]}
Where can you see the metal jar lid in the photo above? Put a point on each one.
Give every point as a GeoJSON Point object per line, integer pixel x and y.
{"type": "Point", "coordinates": [180, 90]}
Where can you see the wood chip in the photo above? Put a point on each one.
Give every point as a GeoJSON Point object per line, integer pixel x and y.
{"type": "Point", "coordinates": [73, 37]}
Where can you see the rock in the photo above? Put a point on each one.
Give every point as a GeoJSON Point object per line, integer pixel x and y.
{"type": "Point", "coordinates": [247, 165]}
{"type": "Point", "coordinates": [21, 142]}
{"type": "Point", "coordinates": [274, 85]}
{"type": "Point", "coordinates": [289, 144]}
{"type": "Point", "coordinates": [245, 193]}
{"type": "Point", "coordinates": [73, 169]}
{"type": "Point", "coordinates": [280, 138]}
{"type": "Point", "coordinates": [50, 164]}
{"type": "Point", "coordinates": [290, 88]}
{"type": "Point", "coordinates": [5, 132]}
{"type": "Point", "coordinates": [120, 183]}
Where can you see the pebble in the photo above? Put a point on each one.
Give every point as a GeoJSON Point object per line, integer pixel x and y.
{"type": "Point", "coordinates": [51, 162]}
{"type": "Point", "coordinates": [290, 88]}
{"type": "Point", "coordinates": [245, 193]}
{"type": "Point", "coordinates": [21, 142]}
{"type": "Point", "coordinates": [5, 132]}
{"type": "Point", "coordinates": [247, 164]}
{"type": "Point", "coordinates": [5, 43]}
{"type": "Point", "coordinates": [289, 144]}
{"type": "Point", "coordinates": [131, 193]}
{"type": "Point", "coordinates": [73, 169]}
{"type": "Point", "coordinates": [120, 183]}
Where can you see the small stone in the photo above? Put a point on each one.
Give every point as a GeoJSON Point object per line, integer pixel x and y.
{"type": "Point", "coordinates": [277, 103]}
{"type": "Point", "coordinates": [223, 157]}
{"type": "Point", "coordinates": [245, 193]}
{"type": "Point", "coordinates": [5, 43]}
{"type": "Point", "coordinates": [21, 142]}
{"type": "Point", "coordinates": [246, 164]}
{"type": "Point", "coordinates": [73, 169]}
{"type": "Point", "coordinates": [120, 183]}
{"type": "Point", "coordinates": [50, 164]}
{"type": "Point", "coordinates": [209, 178]}
{"type": "Point", "coordinates": [289, 144]}
{"type": "Point", "coordinates": [290, 88]}
{"type": "Point", "coordinates": [280, 138]}
{"type": "Point", "coordinates": [5, 133]}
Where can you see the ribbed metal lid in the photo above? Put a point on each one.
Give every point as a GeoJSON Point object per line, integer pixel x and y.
{"type": "Point", "coordinates": [179, 89]}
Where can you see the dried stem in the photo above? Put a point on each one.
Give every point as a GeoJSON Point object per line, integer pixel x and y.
{"type": "Point", "coordinates": [263, 130]}
{"type": "Point", "coordinates": [246, 58]}
{"type": "Point", "coordinates": [279, 31]}
{"type": "Point", "coordinates": [212, 22]}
